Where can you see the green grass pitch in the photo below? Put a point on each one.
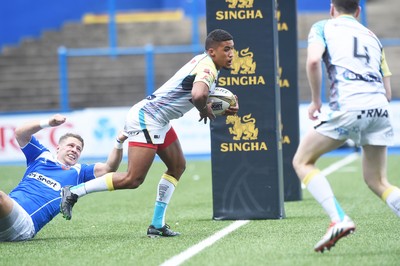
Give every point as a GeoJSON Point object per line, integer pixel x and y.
{"type": "Point", "coordinates": [109, 228]}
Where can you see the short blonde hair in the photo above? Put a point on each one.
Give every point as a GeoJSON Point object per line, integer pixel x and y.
{"type": "Point", "coordinates": [71, 135]}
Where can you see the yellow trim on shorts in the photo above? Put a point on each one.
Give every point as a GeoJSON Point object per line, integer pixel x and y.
{"type": "Point", "coordinates": [109, 181]}
{"type": "Point", "coordinates": [387, 192]}
{"type": "Point", "coordinates": [310, 176]}
{"type": "Point", "coordinates": [170, 178]}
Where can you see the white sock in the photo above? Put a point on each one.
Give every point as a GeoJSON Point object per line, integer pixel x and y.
{"type": "Point", "coordinates": [166, 188]}
{"type": "Point", "coordinates": [392, 198]}
{"type": "Point", "coordinates": [320, 189]}
{"type": "Point", "coordinates": [102, 183]}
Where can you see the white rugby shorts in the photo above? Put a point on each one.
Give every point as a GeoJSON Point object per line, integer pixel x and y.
{"type": "Point", "coordinates": [142, 128]}
{"type": "Point", "coordinates": [364, 127]}
{"type": "Point", "coordinates": [17, 226]}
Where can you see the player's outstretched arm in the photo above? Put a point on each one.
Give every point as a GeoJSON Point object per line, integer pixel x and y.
{"type": "Point", "coordinates": [24, 132]}
{"type": "Point", "coordinates": [114, 158]}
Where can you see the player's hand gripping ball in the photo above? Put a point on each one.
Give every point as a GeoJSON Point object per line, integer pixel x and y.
{"type": "Point", "coordinates": [221, 99]}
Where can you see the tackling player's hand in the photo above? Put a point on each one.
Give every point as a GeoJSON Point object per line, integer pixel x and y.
{"type": "Point", "coordinates": [121, 137]}
{"type": "Point", "coordinates": [57, 120]}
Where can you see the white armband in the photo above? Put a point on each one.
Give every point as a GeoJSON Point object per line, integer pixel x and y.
{"type": "Point", "coordinates": [118, 144]}
{"type": "Point", "coordinates": [44, 123]}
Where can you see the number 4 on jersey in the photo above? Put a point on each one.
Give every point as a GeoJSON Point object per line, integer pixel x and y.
{"type": "Point", "coordinates": [360, 55]}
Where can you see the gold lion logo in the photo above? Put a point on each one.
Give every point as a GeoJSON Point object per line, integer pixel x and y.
{"type": "Point", "coordinates": [240, 3]}
{"type": "Point", "coordinates": [243, 62]}
{"type": "Point", "coordinates": [246, 130]}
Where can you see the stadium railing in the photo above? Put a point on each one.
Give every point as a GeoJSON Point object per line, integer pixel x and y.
{"type": "Point", "coordinates": [149, 51]}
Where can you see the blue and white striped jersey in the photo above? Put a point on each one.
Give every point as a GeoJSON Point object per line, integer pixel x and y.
{"type": "Point", "coordinates": [173, 99]}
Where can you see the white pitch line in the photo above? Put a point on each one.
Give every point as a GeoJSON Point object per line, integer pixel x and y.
{"type": "Point", "coordinates": [339, 164]}
{"type": "Point", "coordinates": [193, 250]}
{"type": "Point", "coordinates": [190, 252]}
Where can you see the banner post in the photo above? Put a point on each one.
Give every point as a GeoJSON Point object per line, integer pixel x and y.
{"type": "Point", "coordinates": [287, 32]}
{"type": "Point", "coordinates": [246, 149]}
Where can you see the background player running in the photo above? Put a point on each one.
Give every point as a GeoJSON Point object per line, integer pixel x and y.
{"type": "Point", "coordinates": [359, 110]}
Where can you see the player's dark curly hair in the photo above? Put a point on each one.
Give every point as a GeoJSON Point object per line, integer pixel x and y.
{"type": "Point", "coordinates": [217, 36]}
{"type": "Point", "coordinates": [72, 135]}
{"type": "Point", "coordinates": [346, 6]}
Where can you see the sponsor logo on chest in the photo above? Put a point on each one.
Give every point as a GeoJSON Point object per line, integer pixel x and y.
{"type": "Point", "coordinates": [45, 180]}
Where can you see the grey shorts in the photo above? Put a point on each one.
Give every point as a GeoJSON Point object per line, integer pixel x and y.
{"type": "Point", "coordinates": [17, 226]}
{"type": "Point", "coordinates": [364, 127]}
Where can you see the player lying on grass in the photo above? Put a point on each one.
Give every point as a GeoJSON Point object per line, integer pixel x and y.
{"type": "Point", "coordinates": [36, 199]}
{"type": "Point", "coordinates": [149, 130]}
{"type": "Point", "coordinates": [360, 92]}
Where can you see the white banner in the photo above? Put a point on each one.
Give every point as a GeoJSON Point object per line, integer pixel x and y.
{"type": "Point", "coordinates": [99, 127]}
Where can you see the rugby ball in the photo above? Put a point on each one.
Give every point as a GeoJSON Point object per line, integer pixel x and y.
{"type": "Point", "coordinates": [221, 99]}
